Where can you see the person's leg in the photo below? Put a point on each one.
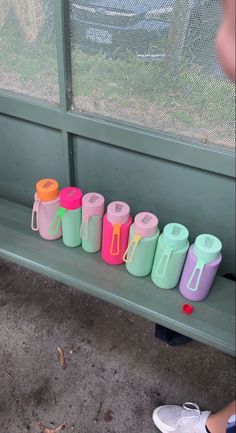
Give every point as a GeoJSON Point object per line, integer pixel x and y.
{"type": "Point", "coordinates": [172, 338]}
{"type": "Point", "coordinates": [217, 423]}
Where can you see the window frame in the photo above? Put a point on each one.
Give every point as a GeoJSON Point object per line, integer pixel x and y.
{"type": "Point", "coordinates": [127, 136]}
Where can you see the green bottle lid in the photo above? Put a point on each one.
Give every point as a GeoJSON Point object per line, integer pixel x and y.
{"type": "Point", "coordinates": [175, 235]}
{"type": "Point", "coordinates": [207, 247]}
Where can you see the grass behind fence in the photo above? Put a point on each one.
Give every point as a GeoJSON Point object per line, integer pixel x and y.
{"type": "Point", "coordinates": [189, 101]}
{"type": "Point", "coordinates": [150, 83]}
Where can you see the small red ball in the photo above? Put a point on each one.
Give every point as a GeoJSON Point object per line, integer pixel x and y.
{"type": "Point", "coordinates": [187, 309]}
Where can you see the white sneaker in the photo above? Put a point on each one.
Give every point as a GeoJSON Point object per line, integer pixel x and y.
{"type": "Point", "coordinates": [177, 419]}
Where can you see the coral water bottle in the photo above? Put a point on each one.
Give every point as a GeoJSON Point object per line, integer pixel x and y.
{"type": "Point", "coordinates": [116, 225]}
{"type": "Point", "coordinates": [46, 204]}
{"type": "Point", "coordinates": [69, 216]}
{"type": "Point", "coordinates": [91, 227]}
{"type": "Point", "coordinates": [203, 260]}
{"type": "Point", "coordinates": [142, 244]}
{"type": "Point", "coordinates": [170, 255]}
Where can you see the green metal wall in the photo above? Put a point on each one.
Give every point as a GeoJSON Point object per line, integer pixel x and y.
{"type": "Point", "coordinates": [27, 153]}
{"type": "Point", "coordinates": [203, 201]}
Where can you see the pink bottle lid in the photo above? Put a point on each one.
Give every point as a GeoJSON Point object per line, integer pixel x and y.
{"type": "Point", "coordinates": [93, 204]}
{"type": "Point", "coordinates": [145, 224]}
{"type": "Point", "coordinates": [118, 212]}
{"type": "Point", "coordinates": [71, 198]}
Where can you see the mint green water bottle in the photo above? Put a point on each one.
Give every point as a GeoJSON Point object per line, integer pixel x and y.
{"type": "Point", "coordinates": [171, 251]}
{"type": "Point", "coordinates": [142, 244]}
{"type": "Point", "coordinates": [91, 227]}
{"type": "Point", "coordinates": [69, 216]}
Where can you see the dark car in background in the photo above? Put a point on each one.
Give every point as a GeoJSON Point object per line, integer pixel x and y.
{"type": "Point", "coordinates": [121, 26]}
{"type": "Point", "coordinates": [118, 27]}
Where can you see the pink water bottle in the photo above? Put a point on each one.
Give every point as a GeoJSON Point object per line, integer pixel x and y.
{"type": "Point", "coordinates": [200, 268]}
{"type": "Point", "coordinates": [91, 227]}
{"type": "Point", "coordinates": [46, 204]}
{"type": "Point", "coordinates": [116, 226]}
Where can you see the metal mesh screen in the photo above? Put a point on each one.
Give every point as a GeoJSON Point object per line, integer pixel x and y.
{"type": "Point", "coordinates": [27, 48]}
{"type": "Point", "coordinates": [153, 63]}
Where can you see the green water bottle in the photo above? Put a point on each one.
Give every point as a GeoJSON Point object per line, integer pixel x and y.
{"type": "Point", "coordinates": [69, 216]}
{"type": "Point", "coordinates": [91, 227]}
{"type": "Point", "coordinates": [171, 251]}
{"type": "Point", "coordinates": [142, 244]}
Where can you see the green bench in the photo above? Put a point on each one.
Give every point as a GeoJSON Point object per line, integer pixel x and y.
{"type": "Point", "coordinates": [213, 321]}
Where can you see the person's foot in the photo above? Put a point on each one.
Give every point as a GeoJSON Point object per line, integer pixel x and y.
{"type": "Point", "coordinates": [177, 419]}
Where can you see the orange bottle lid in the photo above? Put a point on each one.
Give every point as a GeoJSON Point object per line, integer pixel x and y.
{"type": "Point", "coordinates": [47, 189]}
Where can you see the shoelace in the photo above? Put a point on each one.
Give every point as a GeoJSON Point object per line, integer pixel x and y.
{"type": "Point", "coordinates": [191, 407]}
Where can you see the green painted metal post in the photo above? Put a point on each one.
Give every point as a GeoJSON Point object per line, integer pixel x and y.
{"type": "Point", "coordinates": [65, 78]}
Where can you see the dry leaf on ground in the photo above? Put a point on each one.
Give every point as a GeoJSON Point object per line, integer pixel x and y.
{"type": "Point", "coordinates": [98, 412]}
{"type": "Point", "coordinates": [108, 417]}
{"type": "Point", "coordinates": [44, 429]}
{"type": "Point", "coordinates": [62, 357]}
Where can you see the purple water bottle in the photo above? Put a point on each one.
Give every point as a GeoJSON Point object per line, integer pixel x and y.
{"type": "Point", "coordinates": [200, 268]}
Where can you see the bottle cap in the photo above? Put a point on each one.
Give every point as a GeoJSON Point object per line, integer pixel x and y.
{"type": "Point", "coordinates": [71, 198]}
{"type": "Point", "coordinates": [118, 212]}
{"type": "Point", "coordinates": [207, 247]}
{"type": "Point", "coordinates": [93, 204]}
{"type": "Point", "coordinates": [145, 224]}
{"type": "Point", "coordinates": [176, 235]}
{"type": "Point", "coordinates": [47, 189]}
{"type": "Point", "coordinates": [187, 309]}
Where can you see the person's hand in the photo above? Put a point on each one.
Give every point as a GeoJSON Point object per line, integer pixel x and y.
{"type": "Point", "coordinates": [225, 42]}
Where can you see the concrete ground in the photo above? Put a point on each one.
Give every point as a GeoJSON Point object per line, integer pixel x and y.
{"type": "Point", "coordinates": [116, 371]}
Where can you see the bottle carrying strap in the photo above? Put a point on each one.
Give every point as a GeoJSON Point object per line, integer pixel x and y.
{"type": "Point", "coordinates": [200, 265]}
{"type": "Point", "coordinates": [35, 216]}
{"type": "Point", "coordinates": [129, 253]}
{"type": "Point", "coordinates": [115, 240]}
{"type": "Point", "coordinates": [56, 221]}
{"type": "Point", "coordinates": [164, 261]}
{"type": "Point", "coordinates": [84, 227]}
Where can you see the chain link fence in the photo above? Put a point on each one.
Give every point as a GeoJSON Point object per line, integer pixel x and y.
{"type": "Point", "coordinates": [153, 63]}
{"type": "Point", "coordinates": [27, 48]}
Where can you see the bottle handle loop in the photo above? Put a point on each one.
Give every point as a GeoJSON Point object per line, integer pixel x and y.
{"type": "Point", "coordinates": [115, 242]}
{"type": "Point", "coordinates": [56, 222]}
{"type": "Point", "coordinates": [35, 216]}
{"type": "Point", "coordinates": [84, 227]}
{"type": "Point", "coordinates": [129, 253]}
{"type": "Point", "coordinates": [164, 261]}
{"type": "Point", "coordinates": [199, 268]}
